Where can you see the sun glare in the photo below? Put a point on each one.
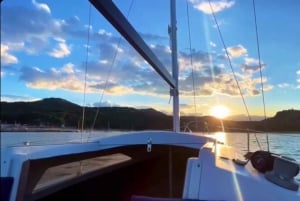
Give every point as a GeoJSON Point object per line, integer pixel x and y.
{"type": "Point", "coordinates": [219, 111]}
{"type": "Point", "coordinates": [221, 137]}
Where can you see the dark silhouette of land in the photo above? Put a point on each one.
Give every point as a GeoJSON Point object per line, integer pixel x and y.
{"type": "Point", "coordinates": [59, 113]}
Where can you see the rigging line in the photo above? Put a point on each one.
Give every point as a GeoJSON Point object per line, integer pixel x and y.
{"type": "Point", "coordinates": [85, 74]}
{"type": "Point", "coordinates": [260, 69]}
{"type": "Point", "coordinates": [85, 79]}
{"type": "Point", "coordinates": [229, 60]}
{"type": "Point", "coordinates": [110, 69]}
{"type": "Point", "coordinates": [230, 64]}
{"type": "Point", "coordinates": [191, 60]}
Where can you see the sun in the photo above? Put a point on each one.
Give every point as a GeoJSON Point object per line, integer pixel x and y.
{"type": "Point", "coordinates": [219, 111]}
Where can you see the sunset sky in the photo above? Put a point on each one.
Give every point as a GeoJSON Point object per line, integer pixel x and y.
{"type": "Point", "coordinates": [67, 49]}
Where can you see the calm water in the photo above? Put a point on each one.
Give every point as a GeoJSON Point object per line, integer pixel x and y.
{"type": "Point", "coordinates": [287, 144]}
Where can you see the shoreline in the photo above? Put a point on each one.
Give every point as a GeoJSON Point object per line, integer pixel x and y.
{"type": "Point", "coordinates": [39, 129]}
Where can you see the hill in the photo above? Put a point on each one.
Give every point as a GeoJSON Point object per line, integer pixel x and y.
{"type": "Point", "coordinates": [56, 112]}
{"type": "Point", "coordinates": [287, 120]}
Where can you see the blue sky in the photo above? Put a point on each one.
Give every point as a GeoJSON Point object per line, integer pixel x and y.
{"type": "Point", "coordinates": [52, 49]}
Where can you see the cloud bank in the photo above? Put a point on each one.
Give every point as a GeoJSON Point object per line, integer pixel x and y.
{"type": "Point", "coordinates": [112, 64]}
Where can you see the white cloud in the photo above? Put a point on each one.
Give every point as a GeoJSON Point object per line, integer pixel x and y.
{"type": "Point", "coordinates": [68, 68]}
{"type": "Point", "coordinates": [6, 57]}
{"type": "Point", "coordinates": [252, 65]}
{"type": "Point", "coordinates": [36, 28]}
{"type": "Point", "coordinates": [237, 51]}
{"type": "Point", "coordinates": [107, 103]}
{"type": "Point", "coordinates": [217, 6]}
{"type": "Point", "coordinates": [250, 61]}
{"type": "Point", "coordinates": [268, 87]}
{"type": "Point", "coordinates": [223, 83]}
{"type": "Point", "coordinates": [284, 85]}
{"type": "Point", "coordinates": [119, 90]}
{"type": "Point", "coordinates": [212, 44]}
{"type": "Point", "coordinates": [104, 32]}
{"type": "Point", "coordinates": [41, 6]}
{"type": "Point", "coordinates": [62, 50]}
{"type": "Point", "coordinates": [51, 79]}
{"type": "Point", "coordinates": [298, 80]}
{"type": "Point", "coordinates": [16, 98]}
{"type": "Point", "coordinates": [130, 73]}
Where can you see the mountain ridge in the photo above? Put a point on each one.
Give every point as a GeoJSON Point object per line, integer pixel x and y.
{"type": "Point", "coordinates": [57, 112]}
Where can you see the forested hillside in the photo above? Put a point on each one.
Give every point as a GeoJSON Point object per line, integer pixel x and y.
{"type": "Point", "coordinates": [55, 112]}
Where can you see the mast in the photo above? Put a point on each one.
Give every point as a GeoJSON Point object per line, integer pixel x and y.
{"type": "Point", "coordinates": [174, 91]}
{"type": "Point", "coordinates": [110, 11]}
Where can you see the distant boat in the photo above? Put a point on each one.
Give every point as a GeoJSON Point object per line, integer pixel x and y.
{"type": "Point", "coordinates": [146, 165]}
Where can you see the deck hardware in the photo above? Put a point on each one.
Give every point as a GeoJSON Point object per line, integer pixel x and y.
{"type": "Point", "coordinates": [149, 145]}
{"type": "Point", "coordinates": [27, 143]}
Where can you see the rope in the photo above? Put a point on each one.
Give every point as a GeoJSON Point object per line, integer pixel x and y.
{"type": "Point", "coordinates": [85, 74]}
{"type": "Point", "coordinates": [191, 60]}
{"type": "Point", "coordinates": [260, 69]}
{"type": "Point", "coordinates": [231, 67]}
{"type": "Point", "coordinates": [229, 60]}
{"type": "Point", "coordinates": [109, 71]}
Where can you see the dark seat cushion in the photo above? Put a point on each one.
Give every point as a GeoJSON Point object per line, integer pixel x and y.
{"type": "Point", "coordinates": [5, 188]}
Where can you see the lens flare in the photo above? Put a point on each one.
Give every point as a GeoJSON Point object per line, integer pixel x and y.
{"type": "Point", "coordinates": [219, 111]}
